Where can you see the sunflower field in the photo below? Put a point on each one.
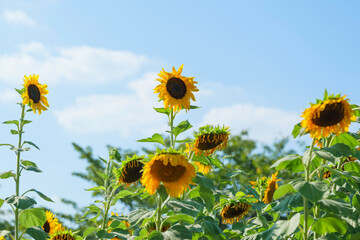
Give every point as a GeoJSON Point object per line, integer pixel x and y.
{"type": "Point", "coordinates": [204, 187]}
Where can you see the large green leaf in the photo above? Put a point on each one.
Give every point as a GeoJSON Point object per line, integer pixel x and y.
{"type": "Point", "coordinates": [205, 194]}
{"type": "Point", "coordinates": [182, 127]}
{"type": "Point", "coordinates": [201, 180]}
{"type": "Point", "coordinates": [180, 217]}
{"type": "Point", "coordinates": [356, 201]}
{"type": "Point", "coordinates": [155, 235]}
{"type": "Point", "coordinates": [22, 202]}
{"type": "Point", "coordinates": [339, 150]}
{"type": "Point", "coordinates": [337, 206]}
{"type": "Point", "coordinates": [177, 232]}
{"type": "Point", "coordinates": [155, 138]}
{"type": "Point", "coordinates": [211, 228]}
{"type": "Point", "coordinates": [347, 139]}
{"type": "Point", "coordinates": [32, 217]}
{"type": "Point", "coordinates": [188, 207]}
{"type": "Point", "coordinates": [329, 225]}
{"type": "Point", "coordinates": [352, 167]}
{"type": "Point", "coordinates": [136, 216]}
{"type": "Point", "coordinates": [311, 190]}
{"type": "Point", "coordinates": [291, 162]}
{"type": "Point", "coordinates": [283, 190]}
{"type": "Point", "coordinates": [283, 228]}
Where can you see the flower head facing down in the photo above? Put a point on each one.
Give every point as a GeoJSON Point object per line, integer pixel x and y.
{"type": "Point", "coordinates": [234, 211]}
{"type": "Point", "coordinates": [51, 224]}
{"type": "Point", "coordinates": [175, 90]}
{"type": "Point", "coordinates": [34, 94]}
{"type": "Point", "coordinates": [131, 171]}
{"type": "Point", "coordinates": [170, 168]}
{"type": "Point", "coordinates": [333, 114]}
{"type": "Point", "coordinates": [204, 169]}
{"type": "Point", "coordinates": [210, 139]}
{"type": "Point", "coordinates": [271, 187]}
{"type": "Point", "coordinates": [63, 235]}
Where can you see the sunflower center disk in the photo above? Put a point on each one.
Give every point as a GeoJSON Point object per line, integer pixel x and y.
{"type": "Point", "coordinates": [331, 115]}
{"type": "Point", "coordinates": [133, 173]}
{"type": "Point", "coordinates": [46, 227]}
{"type": "Point", "coordinates": [167, 173]}
{"type": "Point", "coordinates": [34, 93]}
{"type": "Point", "coordinates": [176, 88]}
{"type": "Point", "coordinates": [234, 211]}
{"type": "Point", "coordinates": [208, 142]}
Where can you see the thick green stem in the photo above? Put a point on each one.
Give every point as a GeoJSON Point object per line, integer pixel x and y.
{"type": "Point", "coordinates": [171, 122]}
{"type": "Point", "coordinates": [17, 180]}
{"type": "Point", "coordinates": [158, 222]}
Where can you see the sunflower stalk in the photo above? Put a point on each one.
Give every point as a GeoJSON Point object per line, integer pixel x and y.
{"type": "Point", "coordinates": [158, 221]}
{"type": "Point", "coordinates": [17, 179]}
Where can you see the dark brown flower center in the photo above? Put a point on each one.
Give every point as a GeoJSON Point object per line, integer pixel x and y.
{"type": "Point", "coordinates": [235, 210]}
{"type": "Point", "coordinates": [63, 237]}
{"type": "Point", "coordinates": [46, 227]}
{"type": "Point", "coordinates": [331, 115]}
{"type": "Point", "coordinates": [176, 88]}
{"type": "Point", "coordinates": [208, 141]}
{"type": "Point", "coordinates": [166, 173]}
{"type": "Point", "coordinates": [132, 171]}
{"type": "Point", "coordinates": [34, 93]}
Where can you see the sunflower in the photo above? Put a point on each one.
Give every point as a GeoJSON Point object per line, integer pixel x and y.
{"type": "Point", "coordinates": [327, 174]}
{"type": "Point", "coordinates": [63, 235]}
{"type": "Point", "coordinates": [34, 93]}
{"type": "Point", "coordinates": [151, 226]}
{"type": "Point", "coordinates": [204, 169]}
{"type": "Point", "coordinates": [51, 224]}
{"type": "Point", "coordinates": [333, 114]}
{"type": "Point", "coordinates": [209, 139]}
{"type": "Point", "coordinates": [271, 187]}
{"type": "Point", "coordinates": [131, 171]}
{"type": "Point", "coordinates": [234, 211]}
{"type": "Point", "coordinates": [176, 90]}
{"type": "Point", "coordinates": [172, 169]}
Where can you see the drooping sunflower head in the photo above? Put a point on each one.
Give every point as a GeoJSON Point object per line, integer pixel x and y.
{"type": "Point", "coordinates": [333, 114]}
{"type": "Point", "coordinates": [34, 94]}
{"type": "Point", "coordinates": [63, 235]}
{"type": "Point", "coordinates": [175, 90]}
{"type": "Point", "coordinates": [209, 139]}
{"type": "Point", "coordinates": [204, 169]}
{"type": "Point", "coordinates": [234, 211]}
{"type": "Point", "coordinates": [131, 170]}
{"type": "Point", "coordinates": [271, 187]}
{"type": "Point", "coordinates": [172, 169]}
{"type": "Point", "coordinates": [51, 224]}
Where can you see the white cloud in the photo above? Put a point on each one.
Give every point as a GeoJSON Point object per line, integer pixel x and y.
{"type": "Point", "coordinates": [264, 124]}
{"type": "Point", "coordinates": [8, 95]}
{"type": "Point", "coordinates": [129, 114]}
{"type": "Point", "coordinates": [18, 17]}
{"type": "Point", "coordinates": [82, 64]}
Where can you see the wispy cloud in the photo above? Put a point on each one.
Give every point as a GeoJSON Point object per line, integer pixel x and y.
{"type": "Point", "coordinates": [18, 17]}
{"type": "Point", "coordinates": [75, 64]}
{"type": "Point", "coordinates": [264, 124]}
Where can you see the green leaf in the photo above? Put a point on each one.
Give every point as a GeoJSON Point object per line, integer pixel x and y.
{"type": "Point", "coordinates": [5, 175]}
{"type": "Point", "coordinates": [20, 91]}
{"type": "Point", "coordinates": [283, 190]}
{"type": "Point", "coordinates": [32, 144]}
{"type": "Point", "coordinates": [347, 139]}
{"type": "Point", "coordinates": [28, 163]}
{"type": "Point", "coordinates": [205, 194]}
{"type": "Point", "coordinates": [194, 107]}
{"type": "Point", "coordinates": [182, 127]}
{"type": "Point", "coordinates": [88, 231]}
{"type": "Point", "coordinates": [123, 193]}
{"type": "Point", "coordinates": [337, 206]}
{"type": "Point", "coordinates": [356, 201]}
{"type": "Point", "coordinates": [311, 190]}
{"type": "Point", "coordinates": [180, 217]}
{"type": "Point", "coordinates": [37, 233]}
{"type": "Point", "coordinates": [215, 161]}
{"type": "Point", "coordinates": [211, 228]}
{"type": "Point", "coordinates": [339, 150]}
{"type": "Point", "coordinates": [43, 196]}
{"type": "Point", "coordinates": [177, 232]}
{"type": "Point", "coordinates": [352, 167]}
{"type": "Point", "coordinates": [26, 121]}
{"type": "Point", "coordinates": [1, 202]}
{"type": "Point", "coordinates": [329, 225]}
{"type": "Point", "coordinates": [298, 131]}
{"type": "Point", "coordinates": [14, 131]}
{"type": "Point", "coordinates": [32, 217]}
{"type": "Point", "coordinates": [325, 155]}
{"type": "Point", "coordinates": [291, 162]}
{"type": "Point", "coordinates": [7, 144]}
{"type": "Point", "coordinates": [201, 180]}
{"type": "Point", "coordinates": [96, 189]}
{"type": "Point", "coordinates": [30, 166]}
{"type": "Point", "coordinates": [286, 228]}
{"type": "Point", "coordinates": [155, 138]}
{"type": "Point", "coordinates": [16, 122]}
{"type": "Point", "coordinates": [155, 235]}
{"type": "Point", "coordinates": [22, 202]}
{"type": "Point", "coordinates": [188, 207]}
{"type": "Point", "coordinates": [163, 110]}
{"type": "Point", "coordinates": [104, 234]}
{"type": "Point", "coordinates": [136, 216]}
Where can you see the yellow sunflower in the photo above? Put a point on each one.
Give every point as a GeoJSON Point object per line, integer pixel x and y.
{"type": "Point", "coordinates": [172, 169]}
{"type": "Point", "coordinates": [234, 211]}
{"type": "Point", "coordinates": [271, 187]}
{"type": "Point", "coordinates": [51, 224]}
{"type": "Point", "coordinates": [63, 235]}
{"type": "Point", "coordinates": [204, 169]}
{"type": "Point", "coordinates": [176, 90]}
{"type": "Point", "coordinates": [34, 93]}
{"type": "Point", "coordinates": [209, 139]}
{"type": "Point", "coordinates": [131, 171]}
{"type": "Point", "coordinates": [331, 115]}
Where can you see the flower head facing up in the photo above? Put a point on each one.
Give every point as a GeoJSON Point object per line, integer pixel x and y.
{"type": "Point", "coordinates": [170, 168]}
{"type": "Point", "coordinates": [209, 139]}
{"type": "Point", "coordinates": [333, 114]}
{"type": "Point", "coordinates": [131, 171]}
{"type": "Point", "coordinates": [271, 187]}
{"type": "Point", "coordinates": [34, 94]}
{"type": "Point", "coordinates": [234, 211]}
{"type": "Point", "coordinates": [51, 224]}
{"type": "Point", "coordinates": [175, 90]}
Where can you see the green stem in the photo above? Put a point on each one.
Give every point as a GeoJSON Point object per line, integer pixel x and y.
{"type": "Point", "coordinates": [17, 180]}
{"type": "Point", "coordinates": [158, 222]}
{"type": "Point", "coordinates": [172, 144]}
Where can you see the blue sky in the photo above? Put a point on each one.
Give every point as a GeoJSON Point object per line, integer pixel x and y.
{"type": "Point", "coordinates": [257, 63]}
